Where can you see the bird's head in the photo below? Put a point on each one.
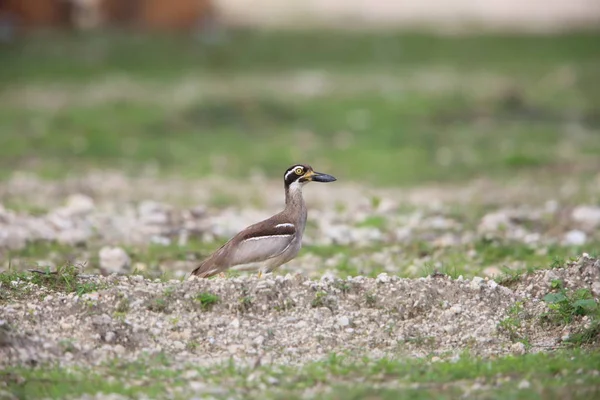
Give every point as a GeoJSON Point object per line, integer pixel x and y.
{"type": "Point", "coordinates": [301, 174]}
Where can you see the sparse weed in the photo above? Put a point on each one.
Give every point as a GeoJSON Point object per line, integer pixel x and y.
{"type": "Point", "coordinates": [587, 335]}
{"type": "Point", "coordinates": [564, 306]}
{"type": "Point", "coordinates": [287, 304]}
{"type": "Point", "coordinates": [161, 303]}
{"type": "Point", "coordinates": [512, 323]}
{"type": "Point", "coordinates": [244, 303]}
{"type": "Point", "coordinates": [122, 305]}
{"type": "Point", "coordinates": [192, 345]}
{"type": "Point", "coordinates": [509, 277]}
{"type": "Point", "coordinates": [342, 285]}
{"type": "Point", "coordinates": [64, 279]}
{"type": "Point", "coordinates": [158, 304]}
{"type": "Point", "coordinates": [441, 269]}
{"type": "Point", "coordinates": [370, 299]}
{"type": "Point", "coordinates": [319, 300]}
{"type": "Point", "coordinates": [207, 300]}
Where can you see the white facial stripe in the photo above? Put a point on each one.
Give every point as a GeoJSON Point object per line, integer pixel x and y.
{"type": "Point", "coordinates": [291, 171]}
{"type": "Point", "coordinates": [266, 237]}
{"type": "Point", "coordinates": [297, 186]}
{"type": "Point", "coordinates": [282, 225]}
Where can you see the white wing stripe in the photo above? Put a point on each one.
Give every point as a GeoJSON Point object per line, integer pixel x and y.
{"type": "Point", "coordinates": [282, 225]}
{"type": "Point", "coordinates": [266, 237]}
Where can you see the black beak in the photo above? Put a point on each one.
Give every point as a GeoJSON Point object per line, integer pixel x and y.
{"type": "Point", "coordinates": [319, 177]}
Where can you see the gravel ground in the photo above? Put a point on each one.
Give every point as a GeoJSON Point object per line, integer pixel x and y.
{"type": "Point", "coordinates": [302, 312]}
{"type": "Point", "coordinates": [93, 214]}
{"type": "Point", "coordinates": [283, 319]}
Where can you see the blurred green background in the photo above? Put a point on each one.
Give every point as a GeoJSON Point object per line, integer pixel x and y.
{"type": "Point", "coordinates": [387, 108]}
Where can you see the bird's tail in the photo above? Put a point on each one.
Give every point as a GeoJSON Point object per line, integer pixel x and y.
{"type": "Point", "coordinates": [206, 269]}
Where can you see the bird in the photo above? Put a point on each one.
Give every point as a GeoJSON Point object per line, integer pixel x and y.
{"type": "Point", "coordinates": [266, 245]}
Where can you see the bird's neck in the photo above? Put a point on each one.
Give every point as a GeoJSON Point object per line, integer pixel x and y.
{"type": "Point", "coordinates": [293, 196]}
{"type": "Point", "coordinates": [295, 207]}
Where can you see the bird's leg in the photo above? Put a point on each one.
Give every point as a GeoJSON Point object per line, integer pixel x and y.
{"type": "Point", "coordinates": [259, 274]}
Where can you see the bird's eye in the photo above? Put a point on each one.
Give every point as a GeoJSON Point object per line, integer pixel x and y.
{"type": "Point", "coordinates": [299, 171]}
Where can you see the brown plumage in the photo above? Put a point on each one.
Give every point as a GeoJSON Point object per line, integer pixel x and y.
{"type": "Point", "coordinates": [268, 244]}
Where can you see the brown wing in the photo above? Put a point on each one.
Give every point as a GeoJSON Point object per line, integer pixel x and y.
{"type": "Point", "coordinates": [258, 242]}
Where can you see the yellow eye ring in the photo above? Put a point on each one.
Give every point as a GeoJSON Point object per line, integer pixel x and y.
{"type": "Point", "coordinates": [299, 171]}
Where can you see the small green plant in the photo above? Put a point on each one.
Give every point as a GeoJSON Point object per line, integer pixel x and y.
{"type": "Point", "coordinates": [587, 335]}
{"type": "Point", "coordinates": [158, 304]}
{"type": "Point", "coordinates": [564, 306]}
{"type": "Point", "coordinates": [430, 269]}
{"type": "Point", "coordinates": [557, 284]}
{"type": "Point", "coordinates": [374, 221]}
{"type": "Point", "coordinates": [319, 300]}
{"type": "Point", "coordinates": [119, 316]}
{"type": "Point", "coordinates": [371, 299]}
{"type": "Point", "coordinates": [286, 304]}
{"type": "Point", "coordinates": [375, 202]}
{"type": "Point", "coordinates": [122, 306]}
{"type": "Point", "coordinates": [192, 345]}
{"type": "Point", "coordinates": [557, 262]}
{"type": "Point", "coordinates": [67, 345]}
{"type": "Point", "coordinates": [207, 300]}
{"type": "Point", "coordinates": [512, 323]}
{"type": "Point", "coordinates": [244, 303]}
{"type": "Point", "coordinates": [342, 285]}
{"type": "Point", "coordinates": [65, 279]}
{"type": "Point", "coordinates": [509, 277]}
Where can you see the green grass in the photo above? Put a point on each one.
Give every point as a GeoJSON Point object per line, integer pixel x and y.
{"type": "Point", "coordinates": [152, 260]}
{"type": "Point", "coordinates": [565, 306]}
{"type": "Point", "coordinates": [565, 373]}
{"type": "Point", "coordinates": [398, 109]}
{"type": "Point", "coordinates": [63, 280]}
{"type": "Point", "coordinates": [421, 258]}
{"type": "Point", "coordinates": [81, 57]}
{"type": "Point", "coordinates": [207, 300]}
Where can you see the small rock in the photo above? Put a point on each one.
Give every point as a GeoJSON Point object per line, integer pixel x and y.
{"type": "Point", "coordinates": [119, 349]}
{"type": "Point", "coordinates": [575, 238]}
{"type": "Point", "coordinates": [383, 278]}
{"type": "Point", "coordinates": [110, 337]}
{"type": "Point", "coordinates": [518, 348]}
{"type": "Point", "coordinates": [435, 359]}
{"type": "Point", "coordinates": [190, 374]}
{"type": "Point", "coordinates": [178, 345]}
{"type": "Point", "coordinates": [596, 289]}
{"type": "Point", "coordinates": [79, 204]}
{"type": "Point", "coordinates": [492, 272]}
{"type": "Point", "coordinates": [456, 309]}
{"type": "Point", "coordinates": [524, 384]}
{"type": "Point", "coordinates": [328, 276]}
{"type": "Point", "coordinates": [586, 216]}
{"type": "Point", "coordinates": [114, 260]}
{"type": "Point", "coordinates": [73, 237]}
{"type": "Point", "coordinates": [476, 282]}
{"type": "Point", "coordinates": [343, 321]}
{"type": "Point", "coordinates": [153, 213]}
{"type": "Point", "coordinates": [495, 221]}
{"type": "Point", "coordinates": [272, 380]}
{"type": "Point", "coordinates": [259, 340]}
{"type": "Point", "coordinates": [13, 238]}
{"type": "Point", "coordinates": [197, 386]}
